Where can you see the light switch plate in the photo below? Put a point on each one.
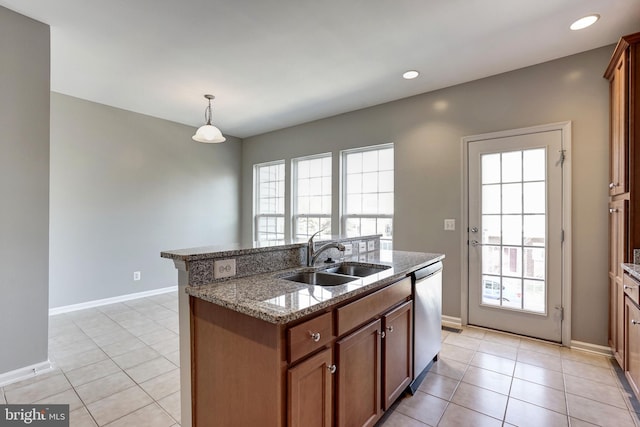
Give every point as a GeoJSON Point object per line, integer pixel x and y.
{"type": "Point", "coordinates": [371, 245]}
{"type": "Point", "coordinates": [362, 247]}
{"type": "Point", "coordinates": [449, 224]}
{"type": "Point", "coordinates": [224, 268]}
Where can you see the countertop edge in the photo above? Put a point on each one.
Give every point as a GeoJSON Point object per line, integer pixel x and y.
{"type": "Point", "coordinates": [632, 269]}
{"type": "Point", "coordinates": [271, 317]}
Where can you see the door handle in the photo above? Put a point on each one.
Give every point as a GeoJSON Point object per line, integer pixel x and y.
{"type": "Point", "coordinates": [474, 229]}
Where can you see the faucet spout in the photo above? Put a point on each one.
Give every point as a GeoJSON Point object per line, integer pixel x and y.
{"type": "Point", "coordinates": [312, 254]}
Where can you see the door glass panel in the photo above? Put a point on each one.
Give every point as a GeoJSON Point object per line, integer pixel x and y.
{"type": "Point", "coordinates": [511, 198]}
{"type": "Point", "coordinates": [534, 230]}
{"type": "Point", "coordinates": [491, 232]}
{"type": "Point", "coordinates": [514, 229]}
{"type": "Point", "coordinates": [491, 199]}
{"type": "Point", "coordinates": [491, 168]}
{"type": "Point", "coordinates": [512, 166]}
{"type": "Point", "coordinates": [534, 296]}
{"type": "Point", "coordinates": [491, 259]}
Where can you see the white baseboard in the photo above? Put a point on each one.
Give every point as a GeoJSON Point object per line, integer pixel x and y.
{"type": "Point", "coordinates": [452, 322]}
{"type": "Point", "coordinates": [25, 373]}
{"type": "Point", "coordinates": [113, 300]}
{"type": "Point", "coordinates": [591, 348]}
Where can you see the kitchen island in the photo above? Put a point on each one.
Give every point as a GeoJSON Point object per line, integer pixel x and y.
{"type": "Point", "coordinates": [259, 349]}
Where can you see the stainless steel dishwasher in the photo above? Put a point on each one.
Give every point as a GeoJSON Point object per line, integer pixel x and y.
{"type": "Point", "coordinates": [427, 320]}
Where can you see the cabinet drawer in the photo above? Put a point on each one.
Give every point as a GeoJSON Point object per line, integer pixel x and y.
{"type": "Point", "coordinates": [309, 336]}
{"type": "Point", "coordinates": [631, 288]}
{"type": "Point", "coordinates": [366, 308]}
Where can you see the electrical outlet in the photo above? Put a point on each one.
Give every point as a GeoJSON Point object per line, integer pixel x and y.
{"type": "Point", "coordinates": [371, 245]}
{"type": "Point", "coordinates": [224, 268]}
{"type": "Point", "coordinates": [362, 247]}
{"type": "Point", "coordinates": [449, 224]}
{"type": "Point", "coordinates": [348, 249]}
{"type": "Point", "coordinates": [136, 275]}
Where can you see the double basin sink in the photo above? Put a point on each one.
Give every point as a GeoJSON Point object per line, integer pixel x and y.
{"type": "Point", "coordinates": [334, 276]}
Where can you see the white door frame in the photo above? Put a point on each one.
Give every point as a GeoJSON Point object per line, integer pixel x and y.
{"type": "Point", "coordinates": [565, 129]}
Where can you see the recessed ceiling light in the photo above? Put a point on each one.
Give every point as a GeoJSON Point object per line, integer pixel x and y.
{"type": "Point", "coordinates": [411, 74]}
{"type": "Point", "coordinates": [584, 22]}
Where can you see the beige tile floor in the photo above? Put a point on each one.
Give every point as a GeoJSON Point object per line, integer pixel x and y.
{"type": "Point", "coordinates": [486, 378]}
{"type": "Point", "coordinates": [117, 365]}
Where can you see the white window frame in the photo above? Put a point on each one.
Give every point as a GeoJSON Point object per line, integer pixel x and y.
{"type": "Point", "coordinates": [294, 195]}
{"type": "Point", "coordinates": [344, 217]}
{"type": "Point", "coordinates": [256, 198]}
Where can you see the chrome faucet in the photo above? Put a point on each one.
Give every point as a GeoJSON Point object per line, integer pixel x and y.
{"type": "Point", "coordinates": [312, 254]}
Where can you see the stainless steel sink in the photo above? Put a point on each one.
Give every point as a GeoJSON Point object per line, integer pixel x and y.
{"type": "Point", "coordinates": [320, 278]}
{"type": "Point", "coordinates": [357, 269]}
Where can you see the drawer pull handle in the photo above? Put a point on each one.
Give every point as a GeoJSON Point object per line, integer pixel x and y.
{"type": "Point", "coordinates": [390, 328]}
{"type": "Point", "coordinates": [315, 337]}
{"type": "Point", "coordinates": [613, 210]}
{"type": "Point", "coordinates": [634, 322]}
{"type": "Point", "coordinates": [332, 369]}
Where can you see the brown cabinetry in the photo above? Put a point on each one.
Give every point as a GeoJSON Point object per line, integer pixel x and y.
{"type": "Point", "coordinates": [358, 357]}
{"type": "Point", "coordinates": [623, 74]}
{"type": "Point", "coordinates": [342, 367]}
{"type": "Point", "coordinates": [310, 399]}
{"type": "Point", "coordinates": [397, 349]}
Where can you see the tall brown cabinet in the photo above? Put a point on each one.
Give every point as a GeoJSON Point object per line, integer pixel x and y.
{"type": "Point", "coordinates": [623, 74]}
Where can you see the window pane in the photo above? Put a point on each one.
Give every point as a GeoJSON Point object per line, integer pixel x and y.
{"type": "Point", "coordinates": [312, 193]}
{"type": "Point", "coordinates": [490, 168]}
{"type": "Point", "coordinates": [512, 292]}
{"type": "Point", "coordinates": [534, 165]}
{"type": "Point", "coordinates": [491, 290]}
{"type": "Point", "coordinates": [534, 263]}
{"type": "Point", "coordinates": [511, 198]}
{"type": "Point", "coordinates": [491, 259]}
{"type": "Point", "coordinates": [534, 230]}
{"type": "Point", "coordinates": [491, 229]}
{"type": "Point", "coordinates": [534, 296]}
{"type": "Point", "coordinates": [534, 197]}
{"type": "Point", "coordinates": [512, 229]}
{"type": "Point", "coordinates": [512, 261]}
{"type": "Point", "coordinates": [491, 199]}
{"type": "Point", "coordinates": [512, 166]}
{"type": "Point", "coordinates": [369, 185]}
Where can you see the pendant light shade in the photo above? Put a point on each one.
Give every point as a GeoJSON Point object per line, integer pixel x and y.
{"type": "Point", "coordinates": [208, 133]}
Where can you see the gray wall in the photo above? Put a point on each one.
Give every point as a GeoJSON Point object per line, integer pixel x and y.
{"type": "Point", "coordinates": [427, 131]}
{"type": "Point", "coordinates": [24, 190]}
{"type": "Point", "coordinates": [125, 186]}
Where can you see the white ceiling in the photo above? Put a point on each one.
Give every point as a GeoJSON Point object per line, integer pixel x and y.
{"type": "Point", "coordinates": [277, 63]}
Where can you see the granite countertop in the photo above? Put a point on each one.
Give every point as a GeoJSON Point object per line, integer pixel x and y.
{"type": "Point", "coordinates": [279, 301]}
{"type": "Point", "coordinates": [632, 269]}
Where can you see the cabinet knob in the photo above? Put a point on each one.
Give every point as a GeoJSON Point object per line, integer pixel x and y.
{"type": "Point", "coordinates": [612, 186]}
{"type": "Point", "coordinates": [613, 210]}
{"type": "Point", "coordinates": [634, 322]}
{"type": "Point", "coordinates": [315, 337]}
{"type": "Point", "coordinates": [626, 287]}
{"type": "Point", "coordinates": [382, 334]}
{"type": "Point", "coordinates": [332, 369]}
{"type": "Point", "coordinates": [390, 328]}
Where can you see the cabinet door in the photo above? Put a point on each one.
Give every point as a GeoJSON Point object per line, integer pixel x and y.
{"type": "Point", "coordinates": [619, 349]}
{"type": "Point", "coordinates": [396, 353]}
{"type": "Point", "coordinates": [358, 358]}
{"type": "Point", "coordinates": [310, 392]}
{"type": "Point", "coordinates": [633, 344]}
{"type": "Point", "coordinates": [619, 151]}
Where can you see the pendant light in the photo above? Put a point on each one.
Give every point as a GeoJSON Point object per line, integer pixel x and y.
{"type": "Point", "coordinates": [208, 133]}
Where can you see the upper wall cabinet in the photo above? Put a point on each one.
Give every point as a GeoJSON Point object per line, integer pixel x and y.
{"type": "Point", "coordinates": [623, 74]}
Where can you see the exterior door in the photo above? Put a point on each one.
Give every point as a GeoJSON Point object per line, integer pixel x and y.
{"type": "Point", "coordinates": [515, 233]}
